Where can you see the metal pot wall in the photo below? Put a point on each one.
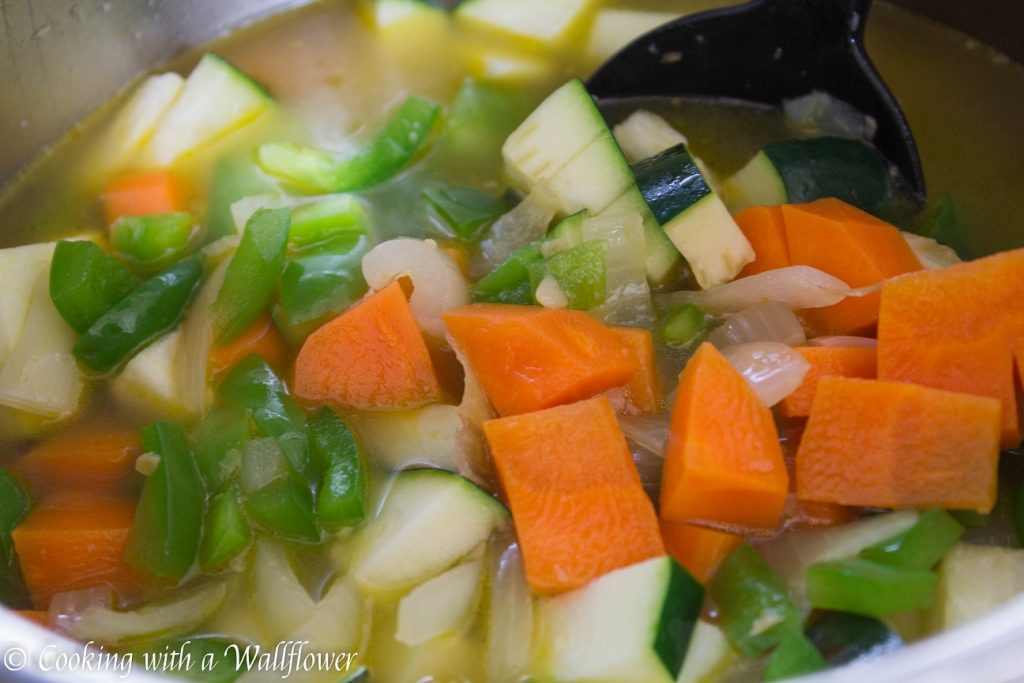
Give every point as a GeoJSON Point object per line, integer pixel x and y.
{"type": "Point", "coordinates": [59, 59]}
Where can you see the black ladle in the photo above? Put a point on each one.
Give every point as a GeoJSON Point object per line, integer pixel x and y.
{"type": "Point", "coordinates": [766, 51]}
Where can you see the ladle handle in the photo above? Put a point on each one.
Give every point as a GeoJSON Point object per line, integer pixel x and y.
{"type": "Point", "coordinates": [830, 18]}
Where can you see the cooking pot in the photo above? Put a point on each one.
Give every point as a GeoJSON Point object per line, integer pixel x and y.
{"type": "Point", "coordinates": [59, 59]}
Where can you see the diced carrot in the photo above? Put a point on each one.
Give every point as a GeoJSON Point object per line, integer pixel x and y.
{"type": "Point", "coordinates": [142, 193]}
{"type": "Point", "coordinates": [827, 361]}
{"type": "Point", "coordinates": [86, 458]}
{"type": "Point", "coordinates": [642, 393]}
{"type": "Point", "coordinates": [575, 495]}
{"type": "Point", "coordinates": [854, 246]}
{"type": "Point", "coordinates": [764, 229]}
{"type": "Point", "coordinates": [75, 541]}
{"type": "Point", "coordinates": [371, 357]}
{"type": "Point", "coordinates": [529, 358]}
{"type": "Point", "coordinates": [957, 329]}
{"type": "Point", "coordinates": [262, 338]}
{"type": "Point", "coordinates": [723, 461]}
{"type": "Point", "coordinates": [814, 514]}
{"type": "Point", "coordinates": [700, 550]}
{"type": "Point", "coordinates": [898, 445]}
{"type": "Point", "coordinates": [458, 254]}
{"type": "Point", "coordinates": [37, 616]}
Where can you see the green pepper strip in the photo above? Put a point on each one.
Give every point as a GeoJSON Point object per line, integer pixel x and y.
{"type": "Point", "coordinates": [393, 147]}
{"type": "Point", "coordinates": [842, 638]}
{"type": "Point", "coordinates": [164, 540]}
{"type": "Point", "coordinates": [252, 275]}
{"type": "Point", "coordinates": [795, 656]}
{"type": "Point", "coordinates": [756, 610]}
{"type": "Point", "coordinates": [284, 507]}
{"type": "Point", "coordinates": [86, 282]}
{"type": "Point", "coordinates": [685, 327]}
{"type": "Point", "coordinates": [14, 505]}
{"type": "Point", "coordinates": [218, 443]}
{"type": "Point", "coordinates": [509, 283]}
{"type": "Point", "coordinates": [152, 309]}
{"type": "Point", "coordinates": [253, 385]}
{"type": "Point", "coordinates": [922, 545]}
{"type": "Point", "coordinates": [871, 588]}
{"type": "Point", "coordinates": [323, 220]}
{"type": "Point", "coordinates": [342, 498]}
{"type": "Point", "coordinates": [579, 272]}
{"type": "Point", "coordinates": [227, 532]}
{"type": "Point", "coordinates": [153, 241]}
{"type": "Point", "coordinates": [466, 210]}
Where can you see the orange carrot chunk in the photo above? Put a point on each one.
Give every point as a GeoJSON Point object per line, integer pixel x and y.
{"type": "Point", "coordinates": [700, 550]}
{"type": "Point", "coordinates": [641, 390]}
{"type": "Point", "coordinates": [898, 445]}
{"type": "Point", "coordinates": [958, 329]}
{"type": "Point", "coordinates": [854, 246]}
{"type": "Point", "coordinates": [72, 542]}
{"type": "Point", "coordinates": [262, 338]}
{"type": "Point", "coordinates": [575, 495]}
{"type": "Point", "coordinates": [529, 358]}
{"type": "Point", "coordinates": [811, 514]}
{"type": "Point", "coordinates": [723, 461]}
{"type": "Point", "coordinates": [86, 458]}
{"type": "Point", "coordinates": [371, 357]}
{"type": "Point", "coordinates": [764, 229]}
{"type": "Point", "coordinates": [143, 193]}
{"type": "Point", "coordinates": [827, 361]}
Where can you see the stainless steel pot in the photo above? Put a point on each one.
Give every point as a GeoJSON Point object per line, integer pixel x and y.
{"type": "Point", "coordinates": [59, 59]}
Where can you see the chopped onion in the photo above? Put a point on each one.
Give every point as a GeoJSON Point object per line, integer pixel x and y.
{"type": "Point", "coordinates": [772, 369]}
{"type": "Point", "coordinates": [438, 284]}
{"type": "Point", "coordinates": [819, 114]}
{"type": "Point", "coordinates": [843, 341]}
{"type": "Point", "coordinates": [650, 433]}
{"type": "Point", "coordinates": [526, 222]}
{"type": "Point", "coordinates": [66, 607]}
{"type": "Point", "coordinates": [768, 321]}
{"type": "Point", "coordinates": [160, 619]}
{"type": "Point", "coordinates": [930, 253]}
{"type": "Point", "coordinates": [627, 296]}
{"type": "Point", "coordinates": [194, 345]}
{"type": "Point", "coordinates": [549, 294]}
{"type": "Point", "coordinates": [795, 286]}
{"type": "Point", "coordinates": [243, 209]}
{"type": "Point", "coordinates": [475, 409]}
{"type": "Point", "coordinates": [510, 619]}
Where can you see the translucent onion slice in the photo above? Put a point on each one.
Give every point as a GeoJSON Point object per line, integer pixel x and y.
{"type": "Point", "coordinates": [766, 321]}
{"type": "Point", "coordinates": [773, 370]}
{"type": "Point", "coordinates": [510, 619]}
{"type": "Point", "coordinates": [795, 286]}
{"type": "Point", "coordinates": [438, 284]}
{"type": "Point", "coordinates": [526, 222]}
{"type": "Point", "coordinates": [627, 296]}
{"type": "Point", "coordinates": [930, 253]}
{"type": "Point", "coordinates": [650, 433]}
{"type": "Point", "coordinates": [843, 341]}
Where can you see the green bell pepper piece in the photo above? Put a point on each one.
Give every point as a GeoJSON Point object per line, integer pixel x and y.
{"type": "Point", "coordinates": [322, 280]}
{"type": "Point", "coordinates": [252, 384]}
{"type": "Point", "coordinates": [218, 442]}
{"type": "Point", "coordinates": [579, 271]}
{"type": "Point", "coordinates": [320, 221]}
{"type": "Point", "coordinates": [252, 275]}
{"type": "Point", "coordinates": [342, 498]}
{"type": "Point", "coordinates": [14, 505]}
{"type": "Point", "coordinates": [164, 540]}
{"type": "Point", "coordinates": [685, 327]}
{"type": "Point", "coordinates": [842, 638]}
{"type": "Point", "coordinates": [509, 283]}
{"type": "Point", "coordinates": [922, 545]}
{"type": "Point", "coordinates": [153, 308]}
{"type": "Point", "coordinates": [86, 282]}
{"type": "Point", "coordinates": [393, 147]}
{"type": "Point", "coordinates": [871, 588]}
{"type": "Point", "coordinates": [944, 226]}
{"type": "Point", "coordinates": [466, 210]}
{"type": "Point", "coordinates": [227, 531]}
{"type": "Point", "coordinates": [154, 241]}
{"type": "Point", "coordinates": [234, 177]}
{"type": "Point", "coordinates": [755, 608]}
{"type": "Point", "coordinates": [795, 656]}
{"type": "Point", "coordinates": [284, 507]}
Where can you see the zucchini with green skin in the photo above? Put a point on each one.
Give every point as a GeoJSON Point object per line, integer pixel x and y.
{"type": "Point", "coordinates": [797, 171]}
{"type": "Point", "coordinates": [632, 624]}
{"type": "Point", "coordinates": [693, 216]}
{"type": "Point", "coordinates": [566, 148]}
